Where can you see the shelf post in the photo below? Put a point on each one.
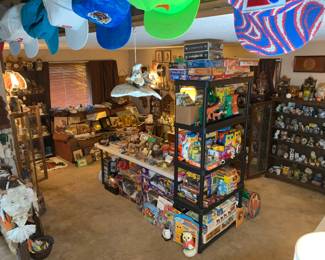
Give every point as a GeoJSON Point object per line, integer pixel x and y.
{"type": "Point", "coordinates": [243, 164]}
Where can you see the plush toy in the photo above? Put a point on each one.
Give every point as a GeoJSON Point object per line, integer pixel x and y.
{"type": "Point", "coordinates": [189, 248]}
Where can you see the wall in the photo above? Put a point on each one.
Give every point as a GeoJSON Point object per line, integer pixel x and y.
{"type": "Point", "coordinates": [297, 78]}
{"type": "Point", "coordinates": [65, 55]}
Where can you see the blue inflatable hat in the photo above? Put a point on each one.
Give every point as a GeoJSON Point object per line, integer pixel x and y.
{"type": "Point", "coordinates": [35, 22]}
{"type": "Point", "coordinates": [112, 18]}
{"type": "Point", "coordinates": [274, 27]}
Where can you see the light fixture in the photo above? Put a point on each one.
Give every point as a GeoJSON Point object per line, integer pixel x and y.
{"type": "Point", "coordinates": [14, 81]}
{"type": "Point", "coordinates": [140, 84]}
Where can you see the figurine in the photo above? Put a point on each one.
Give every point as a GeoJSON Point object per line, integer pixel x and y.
{"type": "Point", "coordinates": [291, 154]}
{"type": "Point", "coordinates": [313, 159]}
{"type": "Point", "coordinates": [320, 92]}
{"type": "Point", "coordinates": [283, 86]}
{"type": "Point", "coordinates": [310, 142]}
{"type": "Point", "coordinates": [167, 233]}
{"type": "Point", "coordinates": [189, 248]}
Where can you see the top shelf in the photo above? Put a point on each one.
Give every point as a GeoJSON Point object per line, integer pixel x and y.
{"type": "Point", "coordinates": [213, 83]}
{"type": "Point", "coordinates": [300, 101]}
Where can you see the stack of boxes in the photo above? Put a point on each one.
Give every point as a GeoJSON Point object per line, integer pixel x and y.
{"type": "Point", "coordinates": [204, 60]}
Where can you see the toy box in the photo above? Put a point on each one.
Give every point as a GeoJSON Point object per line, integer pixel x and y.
{"type": "Point", "coordinates": [183, 224]}
{"type": "Point", "coordinates": [150, 212]}
{"type": "Point", "coordinates": [187, 115]}
{"type": "Point", "coordinates": [218, 219]}
{"type": "Point", "coordinates": [205, 64]}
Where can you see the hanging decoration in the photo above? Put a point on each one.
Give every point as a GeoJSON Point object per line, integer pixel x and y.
{"type": "Point", "coordinates": [138, 85]}
{"type": "Point", "coordinates": [112, 18]}
{"type": "Point", "coordinates": [12, 31]}
{"type": "Point", "coordinates": [60, 14]}
{"type": "Point", "coordinates": [36, 23]}
{"type": "Point", "coordinates": [168, 19]}
{"type": "Point", "coordinates": [272, 28]}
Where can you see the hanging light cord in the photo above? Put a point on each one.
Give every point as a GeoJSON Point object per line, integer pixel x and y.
{"type": "Point", "coordinates": [135, 44]}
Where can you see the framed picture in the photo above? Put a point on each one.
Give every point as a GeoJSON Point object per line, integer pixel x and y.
{"type": "Point", "coordinates": [159, 56]}
{"type": "Point", "coordinates": [77, 155]}
{"type": "Point", "coordinates": [167, 56]}
{"type": "Point", "coordinates": [309, 64]}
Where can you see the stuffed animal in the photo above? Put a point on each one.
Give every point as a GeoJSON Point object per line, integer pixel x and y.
{"type": "Point", "coordinates": [189, 248]}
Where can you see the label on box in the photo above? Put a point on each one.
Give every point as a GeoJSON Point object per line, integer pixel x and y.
{"type": "Point", "coordinates": [203, 55]}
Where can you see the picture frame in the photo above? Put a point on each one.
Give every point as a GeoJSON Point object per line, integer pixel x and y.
{"type": "Point", "coordinates": [167, 56]}
{"type": "Point", "coordinates": [159, 56]}
{"type": "Point", "coordinates": [315, 64]}
{"type": "Point", "coordinates": [77, 155]}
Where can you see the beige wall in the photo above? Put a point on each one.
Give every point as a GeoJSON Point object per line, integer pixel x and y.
{"type": "Point", "coordinates": [297, 78]}
{"type": "Point", "coordinates": [65, 55]}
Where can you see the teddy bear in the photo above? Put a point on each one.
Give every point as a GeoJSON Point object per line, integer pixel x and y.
{"type": "Point", "coordinates": [189, 248]}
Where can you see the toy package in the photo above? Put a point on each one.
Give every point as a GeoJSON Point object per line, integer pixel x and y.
{"type": "Point", "coordinates": [220, 145]}
{"type": "Point", "coordinates": [218, 219]}
{"type": "Point", "coordinates": [184, 224]}
{"type": "Point", "coordinates": [150, 212]}
{"type": "Point", "coordinates": [217, 185]}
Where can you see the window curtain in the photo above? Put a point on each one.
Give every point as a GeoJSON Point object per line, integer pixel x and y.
{"type": "Point", "coordinates": [103, 76]}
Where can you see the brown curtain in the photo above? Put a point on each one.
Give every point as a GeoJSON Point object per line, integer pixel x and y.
{"type": "Point", "coordinates": [103, 77]}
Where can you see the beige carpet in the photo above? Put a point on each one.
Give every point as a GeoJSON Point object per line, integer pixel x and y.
{"type": "Point", "coordinates": [88, 222]}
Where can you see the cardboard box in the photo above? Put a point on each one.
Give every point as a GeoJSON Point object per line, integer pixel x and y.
{"type": "Point", "coordinates": [206, 71]}
{"type": "Point", "coordinates": [187, 115]}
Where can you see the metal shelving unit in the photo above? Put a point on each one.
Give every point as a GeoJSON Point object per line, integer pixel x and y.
{"type": "Point", "coordinates": [277, 160]}
{"type": "Point", "coordinates": [203, 129]}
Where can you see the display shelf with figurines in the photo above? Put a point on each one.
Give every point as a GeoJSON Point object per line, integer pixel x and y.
{"type": "Point", "coordinates": [298, 136]}
{"type": "Point", "coordinates": [209, 137]}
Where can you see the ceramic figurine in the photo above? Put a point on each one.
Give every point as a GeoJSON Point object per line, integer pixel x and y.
{"type": "Point", "coordinates": [320, 92]}
{"type": "Point", "coordinates": [189, 248]}
{"type": "Point", "coordinates": [313, 159]}
{"type": "Point", "coordinates": [310, 142]}
{"type": "Point", "coordinates": [291, 154]}
{"type": "Point", "coordinates": [167, 233]}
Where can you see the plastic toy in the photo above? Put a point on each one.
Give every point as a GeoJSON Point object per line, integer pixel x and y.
{"type": "Point", "coordinates": [214, 113]}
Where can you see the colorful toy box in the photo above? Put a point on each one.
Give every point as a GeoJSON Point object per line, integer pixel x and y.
{"type": "Point", "coordinates": [183, 224]}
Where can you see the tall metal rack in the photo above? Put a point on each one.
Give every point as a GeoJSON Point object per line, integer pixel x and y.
{"type": "Point", "coordinates": [204, 129]}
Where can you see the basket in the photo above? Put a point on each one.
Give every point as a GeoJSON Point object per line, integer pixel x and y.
{"type": "Point", "coordinates": [45, 253]}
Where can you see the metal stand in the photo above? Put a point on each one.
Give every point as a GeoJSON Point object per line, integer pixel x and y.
{"type": "Point", "coordinates": [203, 129]}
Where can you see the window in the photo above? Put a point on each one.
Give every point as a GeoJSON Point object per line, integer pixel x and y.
{"type": "Point", "coordinates": [69, 85]}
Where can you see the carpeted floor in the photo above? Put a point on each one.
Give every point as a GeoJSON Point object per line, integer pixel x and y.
{"type": "Point", "coordinates": [88, 222]}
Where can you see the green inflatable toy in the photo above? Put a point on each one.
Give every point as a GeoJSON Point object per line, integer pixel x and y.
{"type": "Point", "coordinates": [167, 19]}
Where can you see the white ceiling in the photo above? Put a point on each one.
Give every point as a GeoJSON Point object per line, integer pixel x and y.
{"type": "Point", "coordinates": [216, 27]}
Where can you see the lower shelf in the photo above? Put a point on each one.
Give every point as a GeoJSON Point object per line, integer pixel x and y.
{"type": "Point", "coordinates": [295, 182]}
{"type": "Point", "coordinates": [204, 246]}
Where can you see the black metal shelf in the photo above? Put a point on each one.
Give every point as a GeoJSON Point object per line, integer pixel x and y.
{"type": "Point", "coordinates": [300, 102]}
{"type": "Point", "coordinates": [296, 182]}
{"type": "Point", "coordinates": [204, 246]}
{"type": "Point", "coordinates": [188, 167]}
{"type": "Point", "coordinates": [205, 127]}
{"type": "Point", "coordinates": [214, 126]}
{"type": "Point", "coordinates": [285, 161]}
{"type": "Point", "coordinates": [180, 203]}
